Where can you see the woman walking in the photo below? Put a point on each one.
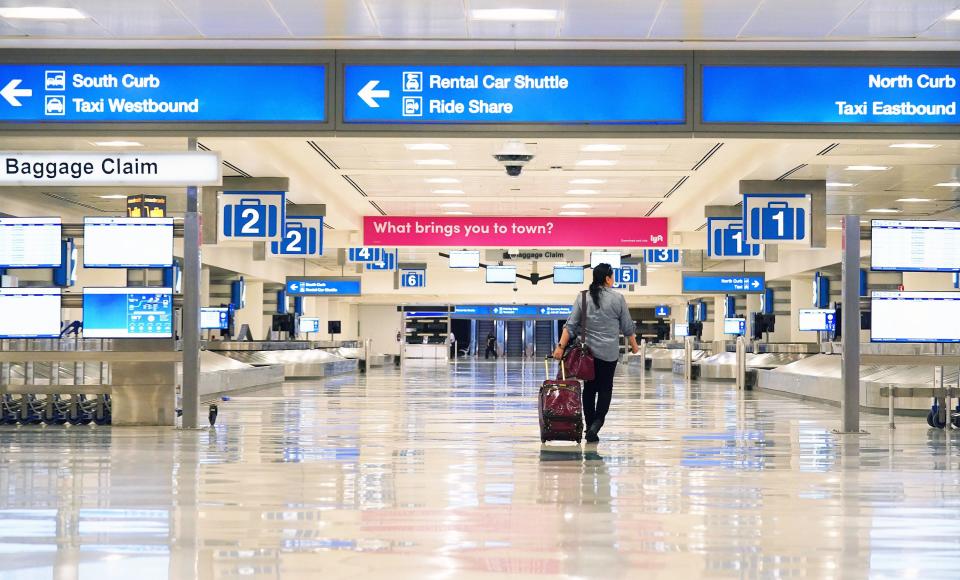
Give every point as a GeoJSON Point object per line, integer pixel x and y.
{"type": "Point", "coordinates": [607, 317]}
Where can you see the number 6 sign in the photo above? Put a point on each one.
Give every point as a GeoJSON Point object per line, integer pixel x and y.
{"type": "Point", "coordinates": [413, 279]}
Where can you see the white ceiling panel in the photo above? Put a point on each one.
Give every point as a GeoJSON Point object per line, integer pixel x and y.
{"type": "Point", "coordinates": [945, 29]}
{"type": "Point", "coordinates": [893, 18]}
{"type": "Point", "coordinates": [419, 18]}
{"type": "Point", "coordinates": [793, 19]}
{"type": "Point", "coordinates": [50, 28]}
{"type": "Point", "coordinates": [236, 18]}
{"type": "Point", "coordinates": [515, 29]}
{"type": "Point", "coordinates": [702, 20]}
{"type": "Point", "coordinates": [608, 18]}
{"type": "Point", "coordinates": [326, 19]}
{"type": "Point", "coordinates": [143, 18]}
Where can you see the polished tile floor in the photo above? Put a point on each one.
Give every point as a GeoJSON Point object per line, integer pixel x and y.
{"type": "Point", "coordinates": [438, 472]}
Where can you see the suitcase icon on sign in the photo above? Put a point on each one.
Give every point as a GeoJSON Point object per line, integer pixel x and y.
{"type": "Point", "coordinates": [298, 240]}
{"type": "Point", "coordinates": [250, 218]}
{"type": "Point", "coordinates": [731, 242]}
{"type": "Point", "coordinates": [778, 221]}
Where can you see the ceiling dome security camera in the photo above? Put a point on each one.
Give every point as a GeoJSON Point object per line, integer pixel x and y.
{"type": "Point", "coordinates": [513, 157]}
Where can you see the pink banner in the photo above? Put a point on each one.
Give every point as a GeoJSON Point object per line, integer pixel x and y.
{"type": "Point", "coordinates": [515, 232]}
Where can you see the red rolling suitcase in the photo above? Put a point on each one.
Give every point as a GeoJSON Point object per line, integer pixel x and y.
{"type": "Point", "coordinates": [561, 408]}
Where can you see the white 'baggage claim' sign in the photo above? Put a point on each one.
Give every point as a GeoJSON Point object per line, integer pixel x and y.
{"type": "Point", "coordinates": [82, 168]}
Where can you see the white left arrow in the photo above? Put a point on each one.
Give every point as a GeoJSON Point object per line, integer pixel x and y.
{"type": "Point", "coordinates": [10, 92]}
{"type": "Point", "coordinates": [369, 93]}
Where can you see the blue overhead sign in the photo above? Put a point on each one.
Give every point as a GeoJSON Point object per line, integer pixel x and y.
{"type": "Point", "coordinates": [777, 217]}
{"type": "Point", "coordinates": [723, 282]}
{"type": "Point", "coordinates": [306, 286]}
{"type": "Point", "coordinates": [726, 238]}
{"type": "Point", "coordinates": [302, 236]}
{"type": "Point", "coordinates": [67, 93]}
{"type": "Point", "coordinates": [662, 256]}
{"type": "Point", "coordinates": [662, 311]}
{"type": "Point", "coordinates": [526, 311]}
{"type": "Point", "coordinates": [413, 278]}
{"type": "Point", "coordinates": [830, 94]}
{"type": "Point", "coordinates": [628, 95]}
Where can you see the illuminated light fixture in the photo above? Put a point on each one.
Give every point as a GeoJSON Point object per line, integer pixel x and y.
{"type": "Point", "coordinates": [949, 184]}
{"type": "Point", "coordinates": [41, 13]}
{"type": "Point", "coordinates": [576, 206]}
{"type": "Point", "coordinates": [867, 168]}
{"type": "Point", "coordinates": [587, 181]}
{"type": "Point", "coordinates": [433, 162]}
{"type": "Point", "coordinates": [582, 192]}
{"type": "Point", "coordinates": [443, 180]}
{"type": "Point", "coordinates": [914, 199]}
{"type": "Point", "coordinates": [515, 14]}
{"type": "Point", "coordinates": [596, 162]}
{"type": "Point", "coordinates": [602, 148]}
{"type": "Point", "coordinates": [454, 204]}
{"type": "Point", "coordinates": [457, 213]}
{"type": "Point", "coordinates": [448, 191]}
{"type": "Point", "coordinates": [883, 210]}
{"type": "Point", "coordinates": [572, 213]}
{"type": "Point", "coordinates": [427, 147]}
{"type": "Point", "coordinates": [838, 184]}
{"type": "Point", "coordinates": [955, 15]}
{"type": "Point", "coordinates": [117, 143]}
{"type": "Point", "coordinates": [836, 228]}
{"type": "Point", "coordinates": [112, 197]}
{"type": "Point", "coordinates": [912, 146]}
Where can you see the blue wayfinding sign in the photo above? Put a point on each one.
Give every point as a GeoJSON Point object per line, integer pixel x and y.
{"type": "Point", "coordinates": [388, 261]}
{"type": "Point", "coordinates": [302, 236]}
{"type": "Point", "coordinates": [306, 286]}
{"type": "Point", "coordinates": [625, 276]}
{"type": "Point", "coordinates": [662, 256]}
{"type": "Point", "coordinates": [830, 94]}
{"type": "Point", "coordinates": [364, 255]}
{"type": "Point", "coordinates": [512, 311]}
{"type": "Point", "coordinates": [413, 278]}
{"type": "Point", "coordinates": [251, 215]}
{"type": "Point", "coordinates": [629, 95]}
{"type": "Point", "coordinates": [662, 311]}
{"type": "Point", "coordinates": [777, 217]}
{"type": "Point", "coordinates": [723, 282]}
{"type": "Point", "coordinates": [726, 238]}
{"type": "Point", "coordinates": [279, 93]}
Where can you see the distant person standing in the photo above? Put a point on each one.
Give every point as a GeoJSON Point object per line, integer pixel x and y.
{"type": "Point", "coordinates": [607, 317]}
{"type": "Point", "coordinates": [491, 347]}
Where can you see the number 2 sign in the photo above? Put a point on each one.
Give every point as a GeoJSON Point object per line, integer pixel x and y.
{"type": "Point", "coordinates": [251, 216]}
{"type": "Point", "coordinates": [302, 236]}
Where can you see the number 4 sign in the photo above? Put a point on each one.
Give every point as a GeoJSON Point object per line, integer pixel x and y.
{"type": "Point", "coordinates": [782, 218]}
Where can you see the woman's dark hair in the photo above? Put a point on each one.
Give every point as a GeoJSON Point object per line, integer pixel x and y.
{"type": "Point", "coordinates": [600, 275]}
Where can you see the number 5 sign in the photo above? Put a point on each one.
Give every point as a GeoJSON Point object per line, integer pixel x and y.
{"type": "Point", "coordinates": [782, 218]}
{"type": "Point", "coordinates": [251, 216]}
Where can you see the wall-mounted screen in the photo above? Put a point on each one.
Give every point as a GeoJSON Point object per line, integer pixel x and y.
{"type": "Point", "coordinates": [915, 316]}
{"type": "Point", "coordinates": [127, 313]}
{"type": "Point", "coordinates": [567, 275]}
{"type": "Point", "coordinates": [816, 320]}
{"type": "Point", "coordinates": [308, 324]}
{"type": "Point", "coordinates": [30, 312]}
{"type": "Point", "coordinates": [114, 242]}
{"type": "Point", "coordinates": [217, 318]}
{"type": "Point", "coordinates": [612, 258]}
{"type": "Point", "coordinates": [735, 326]}
{"type": "Point", "coordinates": [915, 246]}
{"type": "Point", "coordinates": [30, 243]}
{"type": "Point", "coordinates": [501, 274]}
{"type": "Point", "coordinates": [465, 259]}
{"type": "Point", "coordinates": [681, 329]}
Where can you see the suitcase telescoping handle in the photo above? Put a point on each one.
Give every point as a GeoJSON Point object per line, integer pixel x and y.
{"type": "Point", "coordinates": [546, 367]}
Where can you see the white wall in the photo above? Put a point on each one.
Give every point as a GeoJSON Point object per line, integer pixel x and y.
{"type": "Point", "coordinates": [252, 313]}
{"type": "Point", "coordinates": [380, 323]}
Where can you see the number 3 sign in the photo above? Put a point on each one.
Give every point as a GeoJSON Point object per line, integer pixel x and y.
{"type": "Point", "coordinates": [251, 216]}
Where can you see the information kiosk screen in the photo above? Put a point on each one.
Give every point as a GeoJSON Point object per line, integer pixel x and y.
{"type": "Point", "coordinates": [30, 243]}
{"type": "Point", "coordinates": [735, 326]}
{"type": "Point", "coordinates": [216, 318]}
{"type": "Point", "coordinates": [915, 246]}
{"type": "Point", "coordinates": [567, 275]}
{"type": "Point", "coordinates": [114, 242]}
{"type": "Point", "coordinates": [127, 313]}
{"type": "Point", "coordinates": [309, 324]}
{"type": "Point", "coordinates": [501, 274]}
{"type": "Point", "coordinates": [816, 320]}
{"type": "Point", "coordinates": [465, 259]}
{"type": "Point", "coordinates": [915, 316]}
{"type": "Point", "coordinates": [681, 329]}
{"type": "Point", "coordinates": [30, 312]}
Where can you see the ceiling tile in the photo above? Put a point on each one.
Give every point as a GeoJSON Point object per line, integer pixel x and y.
{"type": "Point", "coordinates": [326, 19]}
{"type": "Point", "coordinates": [55, 28]}
{"type": "Point", "coordinates": [608, 18]}
{"type": "Point", "coordinates": [792, 19]}
{"type": "Point", "coordinates": [681, 19]}
{"type": "Point", "coordinates": [419, 18]}
{"type": "Point", "coordinates": [145, 18]}
{"type": "Point", "coordinates": [893, 18]}
{"type": "Point", "coordinates": [234, 18]}
{"type": "Point", "coordinates": [515, 30]}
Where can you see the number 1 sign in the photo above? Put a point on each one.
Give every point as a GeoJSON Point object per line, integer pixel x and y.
{"type": "Point", "coordinates": [726, 238]}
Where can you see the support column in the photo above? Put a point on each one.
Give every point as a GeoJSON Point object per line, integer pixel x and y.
{"type": "Point", "coordinates": [850, 296]}
{"type": "Point", "coordinates": [190, 396]}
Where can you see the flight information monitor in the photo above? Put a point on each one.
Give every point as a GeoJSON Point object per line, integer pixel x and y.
{"type": "Point", "coordinates": [215, 318]}
{"type": "Point", "coordinates": [567, 275]}
{"type": "Point", "coordinates": [30, 312]}
{"type": "Point", "coordinates": [915, 316]}
{"type": "Point", "coordinates": [127, 313]}
{"type": "Point", "coordinates": [681, 329]}
{"type": "Point", "coordinates": [308, 324]}
{"type": "Point", "coordinates": [816, 320]}
{"type": "Point", "coordinates": [736, 326]}
{"type": "Point", "coordinates": [465, 259]}
{"type": "Point", "coordinates": [114, 242]}
{"type": "Point", "coordinates": [30, 243]}
{"type": "Point", "coordinates": [915, 246]}
{"type": "Point", "coordinates": [612, 258]}
{"type": "Point", "coordinates": [501, 274]}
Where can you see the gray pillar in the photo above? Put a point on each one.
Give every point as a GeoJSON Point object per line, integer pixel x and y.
{"type": "Point", "coordinates": [191, 307]}
{"type": "Point", "coordinates": [850, 296]}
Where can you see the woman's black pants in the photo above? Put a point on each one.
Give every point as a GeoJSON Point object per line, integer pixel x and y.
{"type": "Point", "coordinates": [598, 392]}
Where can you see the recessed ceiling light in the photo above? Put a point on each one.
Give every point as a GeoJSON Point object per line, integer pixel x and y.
{"type": "Point", "coordinates": [457, 213]}
{"type": "Point", "coordinates": [454, 204]}
{"type": "Point", "coordinates": [867, 168]}
{"type": "Point", "coordinates": [572, 213]}
{"type": "Point", "coordinates": [433, 162]}
{"type": "Point", "coordinates": [576, 206]}
{"type": "Point", "coordinates": [587, 181]}
{"type": "Point", "coordinates": [914, 199]}
{"type": "Point", "coordinates": [838, 184]}
{"type": "Point", "coordinates": [448, 191]}
{"type": "Point", "coordinates": [41, 13]}
{"type": "Point", "coordinates": [582, 192]}
{"type": "Point", "coordinates": [112, 197]}
{"type": "Point", "coordinates": [427, 147]}
{"type": "Point", "coordinates": [117, 143]}
{"type": "Point", "coordinates": [443, 180]}
{"type": "Point", "coordinates": [602, 147]}
{"type": "Point", "coordinates": [596, 162]}
{"type": "Point", "coordinates": [955, 15]}
{"type": "Point", "coordinates": [515, 14]}
{"type": "Point", "coordinates": [835, 228]}
{"type": "Point", "coordinates": [883, 210]}
{"type": "Point", "coordinates": [912, 146]}
{"type": "Point", "coordinates": [949, 184]}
